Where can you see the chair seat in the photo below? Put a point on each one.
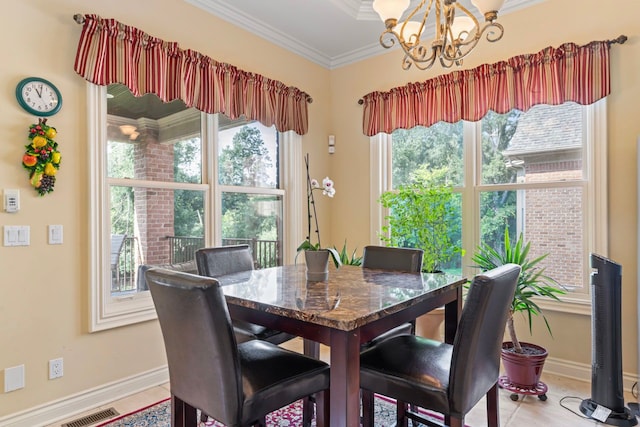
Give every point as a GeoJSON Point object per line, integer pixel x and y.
{"type": "Point", "coordinates": [272, 377]}
{"type": "Point", "coordinates": [401, 363]}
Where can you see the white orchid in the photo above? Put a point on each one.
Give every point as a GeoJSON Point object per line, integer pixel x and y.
{"type": "Point", "coordinates": [327, 187]}
{"type": "Point", "coordinates": [329, 190]}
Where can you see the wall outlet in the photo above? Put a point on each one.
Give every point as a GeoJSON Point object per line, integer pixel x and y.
{"type": "Point", "coordinates": [56, 368]}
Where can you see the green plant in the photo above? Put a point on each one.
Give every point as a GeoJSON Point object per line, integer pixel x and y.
{"type": "Point", "coordinates": [423, 215]}
{"type": "Point", "coordinates": [348, 259]}
{"type": "Point", "coordinates": [532, 281]}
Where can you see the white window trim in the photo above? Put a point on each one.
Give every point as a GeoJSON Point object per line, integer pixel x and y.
{"type": "Point", "coordinates": [596, 158]}
{"type": "Point", "coordinates": [108, 312]}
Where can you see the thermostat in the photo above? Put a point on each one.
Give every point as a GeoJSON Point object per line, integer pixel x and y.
{"type": "Point", "coordinates": [11, 201]}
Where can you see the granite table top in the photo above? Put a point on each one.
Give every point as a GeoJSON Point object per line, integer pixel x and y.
{"type": "Point", "coordinates": [350, 298]}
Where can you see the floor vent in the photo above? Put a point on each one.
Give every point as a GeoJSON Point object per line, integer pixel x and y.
{"type": "Point", "coordinates": [92, 418]}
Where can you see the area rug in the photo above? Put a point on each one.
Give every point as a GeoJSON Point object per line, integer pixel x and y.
{"type": "Point", "coordinates": [159, 415]}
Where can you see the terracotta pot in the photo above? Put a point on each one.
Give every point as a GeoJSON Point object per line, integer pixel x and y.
{"type": "Point", "coordinates": [317, 265]}
{"type": "Point", "coordinates": [430, 325]}
{"type": "Point", "coordinates": [523, 369]}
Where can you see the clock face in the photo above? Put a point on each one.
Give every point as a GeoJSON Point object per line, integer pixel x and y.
{"type": "Point", "coordinates": [38, 96]}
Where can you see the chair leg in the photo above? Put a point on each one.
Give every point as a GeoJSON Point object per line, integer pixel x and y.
{"type": "Point", "coordinates": [401, 414]}
{"type": "Point", "coordinates": [456, 422]}
{"type": "Point", "coordinates": [322, 409]}
{"type": "Point", "coordinates": [307, 411]}
{"type": "Point", "coordinates": [493, 411]}
{"type": "Point", "coordinates": [182, 414]}
{"type": "Point", "coordinates": [367, 408]}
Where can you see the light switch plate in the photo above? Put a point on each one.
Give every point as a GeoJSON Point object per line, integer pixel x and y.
{"type": "Point", "coordinates": [55, 235]}
{"type": "Point", "coordinates": [17, 235]}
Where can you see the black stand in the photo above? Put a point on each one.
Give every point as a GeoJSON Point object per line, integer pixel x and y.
{"type": "Point", "coordinates": [625, 419]}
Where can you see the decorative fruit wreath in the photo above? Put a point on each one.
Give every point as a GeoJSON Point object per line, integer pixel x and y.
{"type": "Point", "coordinates": [42, 158]}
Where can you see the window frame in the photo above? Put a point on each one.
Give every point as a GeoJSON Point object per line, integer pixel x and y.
{"type": "Point", "coordinates": [107, 311]}
{"type": "Point", "coordinates": [595, 184]}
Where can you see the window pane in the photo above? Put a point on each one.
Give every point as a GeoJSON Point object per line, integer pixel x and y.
{"type": "Point", "coordinates": [255, 220]}
{"type": "Point", "coordinates": [423, 150]}
{"type": "Point", "coordinates": [542, 145]}
{"type": "Point", "coordinates": [550, 218]}
{"type": "Point", "coordinates": [247, 154]}
{"type": "Point", "coordinates": [152, 140]}
{"type": "Point", "coordinates": [160, 226]}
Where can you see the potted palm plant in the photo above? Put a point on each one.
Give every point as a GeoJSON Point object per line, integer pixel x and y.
{"type": "Point", "coordinates": [523, 361]}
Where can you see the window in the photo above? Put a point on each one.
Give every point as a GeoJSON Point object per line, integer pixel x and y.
{"type": "Point", "coordinates": [541, 173]}
{"type": "Point", "coordinates": [155, 201]}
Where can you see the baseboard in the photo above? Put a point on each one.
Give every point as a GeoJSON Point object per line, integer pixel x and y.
{"type": "Point", "coordinates": [582, 372]}
{"type": "Point", "coordinates": [69, 406]}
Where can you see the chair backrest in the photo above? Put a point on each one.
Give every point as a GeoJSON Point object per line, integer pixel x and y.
{"type": "Point", "coordinates": [204, 369]}
{"type": "Point", "coordinates": [117, 242]}
{"type": "Point", "coordinates": [221, 260]}
{"type": "Point", "coordinates": [391, 258]}
{"type": "Point", "coordinates": [475, 363]}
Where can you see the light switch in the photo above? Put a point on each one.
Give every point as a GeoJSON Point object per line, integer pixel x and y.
{"type": "Point", "coordinates": [55, 234]}
{"type": "Point", "coordinates": [16, 235]}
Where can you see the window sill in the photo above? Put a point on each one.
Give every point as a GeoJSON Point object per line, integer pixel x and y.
{"type": "Point", "coordinates": [568, 304]}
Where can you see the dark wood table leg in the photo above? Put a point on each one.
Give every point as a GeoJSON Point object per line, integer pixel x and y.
{"type": "Point", "coordinates": [312, 349]}
{"type": "Point", "coordinates": [452, 312]}
{"type": "Point", "coordinates": [345, 378]}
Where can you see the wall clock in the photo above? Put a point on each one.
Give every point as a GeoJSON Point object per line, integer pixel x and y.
{"type": "Point", "coordinates": [38, 96]}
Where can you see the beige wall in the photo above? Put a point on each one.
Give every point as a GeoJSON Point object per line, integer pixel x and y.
{"type": "Point", "coordinates": [43, 289]}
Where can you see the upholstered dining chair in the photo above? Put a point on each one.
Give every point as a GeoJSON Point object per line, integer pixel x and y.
{"type": "Point", "coordinates": [393, 259]}
{"type": "Point", "coordinates": [449, 379]}
{"type": "Point", "coordinates": [236, 384]}
{"type": "Point", "coordinates": [222, 260]}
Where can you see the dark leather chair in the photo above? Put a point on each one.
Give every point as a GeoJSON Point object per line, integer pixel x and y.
{"type": "Point", "coordinates": [449, 379]}
{"type": "Point", "coordinates": [394, 259]}
{"type": "Point", "coordinates": [237, 384]}
{"type": "Point", "coordinates": [222, 260]}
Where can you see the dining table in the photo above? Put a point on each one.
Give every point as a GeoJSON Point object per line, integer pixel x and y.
{"type": "Point", "coordinates": [351, 307]}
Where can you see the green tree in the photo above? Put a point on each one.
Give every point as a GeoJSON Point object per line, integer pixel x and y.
{"type": "Point", "coordinates": [245, 162]}
{"type": "Point", "coordinates": [188, 204]}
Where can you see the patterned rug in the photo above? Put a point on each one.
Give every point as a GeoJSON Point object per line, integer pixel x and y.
{"type": "Point", "coordinates": [159, 415]}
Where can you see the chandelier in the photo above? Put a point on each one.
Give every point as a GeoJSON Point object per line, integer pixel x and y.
{"type": "Point", "coordinates": [457, 30]}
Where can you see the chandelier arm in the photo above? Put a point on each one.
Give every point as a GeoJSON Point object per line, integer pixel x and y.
{"type": "Point", "coordinates": [388, 38]}
{"type": "Point", "coordinates": [494, 32]}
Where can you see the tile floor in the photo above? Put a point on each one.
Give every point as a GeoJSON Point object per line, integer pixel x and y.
{"type": "Point", "coordinates": [527, 411]}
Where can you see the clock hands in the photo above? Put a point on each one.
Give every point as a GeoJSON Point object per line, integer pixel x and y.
{"type": "Point", "coordinates": [39, 92]}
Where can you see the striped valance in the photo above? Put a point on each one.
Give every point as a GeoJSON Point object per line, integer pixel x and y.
{"type": "Point", "coordinates": [111, 52]}
{"type": "Point", "coordinates": [552, 76]}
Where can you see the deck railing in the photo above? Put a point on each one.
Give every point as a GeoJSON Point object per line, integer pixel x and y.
{"type": "Point", "coordinates": [266, 253]}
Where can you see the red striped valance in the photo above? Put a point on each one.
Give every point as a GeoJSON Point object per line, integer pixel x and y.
{"type": "Point", "coordinates": [551, 76]}
{"type": "Point", "coordinates": [111, 52]}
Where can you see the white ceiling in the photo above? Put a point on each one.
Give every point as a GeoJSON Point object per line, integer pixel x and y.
{"type": "Point", "coordinates": [331, 33]}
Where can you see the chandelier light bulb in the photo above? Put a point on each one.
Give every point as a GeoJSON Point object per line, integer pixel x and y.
{"type": "Point", "coordinates": [488, 7]}
{"type": "Point", "coordinates": [462, 27]}
{"type": "Point", "coordinates": [390, 9]}
{"type": "Point", "coordinates": [410, 32]}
